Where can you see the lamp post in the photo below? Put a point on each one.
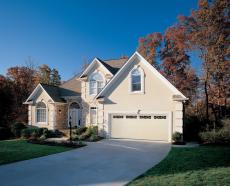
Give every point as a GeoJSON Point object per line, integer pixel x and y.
{"type": "Point", "coordinates": [70, 129]}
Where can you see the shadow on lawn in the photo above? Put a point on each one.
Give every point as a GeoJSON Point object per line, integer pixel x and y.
{"type": "Point", "coordinates": [180, 160]}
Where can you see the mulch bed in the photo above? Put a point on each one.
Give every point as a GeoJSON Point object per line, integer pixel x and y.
{"type": "Point", "coordinates": [54, 143]}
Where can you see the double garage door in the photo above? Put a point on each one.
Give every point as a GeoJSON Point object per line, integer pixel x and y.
{"type": "Point", "coordinates": [143, 126]}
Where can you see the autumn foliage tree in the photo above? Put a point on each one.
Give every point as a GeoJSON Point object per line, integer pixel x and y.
{"type": "Point", "coordinates": [48, 76]}
{"type": "Point", "coordinates": [148, 47]}
{"type": "Point", "coordinates": [207, 30]}
{"type": "Point", "coordinates": [22, 82]}
{"type": "Point", "coordinates": [176, 64]}
{"type": "Point", "coordinates": [19, 82]}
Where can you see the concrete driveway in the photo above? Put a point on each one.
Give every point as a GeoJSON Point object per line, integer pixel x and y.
{"type": "Point", "coordinates": [108, 162]}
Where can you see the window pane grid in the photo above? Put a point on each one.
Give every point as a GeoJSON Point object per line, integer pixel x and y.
{"type": "Point", "coordinates": [136, 80]}
{"type": "Point", "coordinates": [93, 115]}
{"type": "Point", "coordinates": [41, 115]}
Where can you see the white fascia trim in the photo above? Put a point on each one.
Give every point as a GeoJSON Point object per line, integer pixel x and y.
{"type": "Point", "coordinates": [35, 90]}
{"type": "Point", "coordinates": [95, 60]}
{"type": "Point", "coordinates": [161, 77]}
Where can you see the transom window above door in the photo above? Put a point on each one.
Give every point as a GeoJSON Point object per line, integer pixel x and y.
{"type": "Point", "coordinates": [96, 83]}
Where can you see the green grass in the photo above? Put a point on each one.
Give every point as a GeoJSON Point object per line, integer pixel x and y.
{"type": "Point", "coordinates": [205, 165]}
{"type": "Point", "coordinates": [17, 150]}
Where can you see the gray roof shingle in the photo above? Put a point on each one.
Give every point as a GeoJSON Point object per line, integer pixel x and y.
{"type": "Point", "coordinates": [57, 93]}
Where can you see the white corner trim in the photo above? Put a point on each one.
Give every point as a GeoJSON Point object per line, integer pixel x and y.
{"type": "Point", "coordinates": [95, 60]}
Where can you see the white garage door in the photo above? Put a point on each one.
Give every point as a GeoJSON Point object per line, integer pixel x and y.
{"type": "Point", "coordinates": [144, 126]}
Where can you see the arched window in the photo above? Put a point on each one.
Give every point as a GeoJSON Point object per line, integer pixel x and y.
{"type": "Point", "coordinates": [96, 84]}
{"type": "Point", "coordinates": [41, 112]}
{"type": "Point", "coordinates": [135, 80]}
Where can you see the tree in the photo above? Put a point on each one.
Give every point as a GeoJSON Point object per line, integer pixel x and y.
{"type": "Point", "coordinates": [22, 82]}
{"type": "Point", "coordinates": [148, 47]}
{"type": "Point", "coordinates": [176, 64]}
{"type": "Point", "coordinates": [55, 78]}
{"type": "Point", "coordinates": [44, 73]}
{"type": "Point", "coordinates": [6, 101]}
{"type": "Point", "coordinates": [207, 30]}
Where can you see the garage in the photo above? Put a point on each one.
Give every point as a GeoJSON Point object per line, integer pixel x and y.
{"type": "Point", "coordinates": [140, 126]}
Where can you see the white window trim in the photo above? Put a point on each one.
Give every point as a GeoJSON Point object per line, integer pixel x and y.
{"type": "Point", "coordinates": [90, 115]}
{"type": "Point", "coordinates": [104, 82]}
{"type": "Point", "coordinates": [142, 91]}
{"type": "Point", "coordinates": [36, 118]}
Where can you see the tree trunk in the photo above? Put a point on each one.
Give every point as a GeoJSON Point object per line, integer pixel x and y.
{"type": "Point", "coordinates": [206, 102]}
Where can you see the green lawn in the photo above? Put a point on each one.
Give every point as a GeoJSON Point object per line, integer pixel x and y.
{"type": "Point", "coordinates": [205, 165]}
{"type": "Point", "coordinates": [17, 150]}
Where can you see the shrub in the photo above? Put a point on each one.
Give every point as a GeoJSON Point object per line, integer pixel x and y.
{"type": "Point", "coordinates": [80, 130]}
{"type": "Point", "coordinates": [32, 132]}
{"type": "Point", "coordinates": [94, 137]}
{"type": "Point", "coordinates": [83, 136]}
{"type": "Point", "coordinates": [177, 137]}
{"type": "Point", "coordinates": [221, 136]}
{"type": "Point", "coordinates": [16, 129]}
{"type": "Point", "coordinates": [5, 133]}
{"type": "Point", "coordinates": [91, 134]}
{"type": "Point", "coordinates": [94, 130]}
{"type": "Point", "coordinates": [208, 137]}
{"type": "Point", "coordinates": [76, 137]}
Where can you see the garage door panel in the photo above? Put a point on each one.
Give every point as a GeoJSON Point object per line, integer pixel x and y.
{"type": "Point", "coordinates": [140, 128]}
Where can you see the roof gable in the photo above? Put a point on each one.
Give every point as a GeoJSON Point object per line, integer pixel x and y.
{"type": "Point", "coordinates": [35, 91]}
{"type": "Point", "coordinates": [55, 93]}
{"type": "Point", "coordinates": [92, 64]}
{"type": "Point", "coordinates": [152, 69]}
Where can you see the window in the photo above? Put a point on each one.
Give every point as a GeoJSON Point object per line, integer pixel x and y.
{"type": "Point", "coordinates": [96, 84]}
{"type": "Point", "coordinates": [41, 112]}
{"type": "Point", "coordinates": [145, 117]}
{"type": "Point", "coordinates": [136, 80]}
{"type": "Point", "coordinates": [131, 117]}
{"type": "Point", "coordinates": [93, 115]}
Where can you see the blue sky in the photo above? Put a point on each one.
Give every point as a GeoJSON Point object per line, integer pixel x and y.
{"type": "Point", "coordinates": [63, 33]}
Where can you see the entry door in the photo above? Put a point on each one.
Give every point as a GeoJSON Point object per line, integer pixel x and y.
{"type": "Point", "coordinates": [74, 116]}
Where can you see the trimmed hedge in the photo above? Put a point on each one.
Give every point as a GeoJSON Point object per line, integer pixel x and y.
{"type": "Point", "coordinates": [32, 132]}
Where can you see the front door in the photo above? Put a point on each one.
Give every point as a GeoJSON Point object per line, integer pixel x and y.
{"type": "Point", "coordinates": [74, 117]}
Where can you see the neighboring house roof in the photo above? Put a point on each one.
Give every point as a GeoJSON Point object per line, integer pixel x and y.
{"type": "Point", "coordinates": [153, 70]}
{"type": "Point", "coordinates": [72, 84]}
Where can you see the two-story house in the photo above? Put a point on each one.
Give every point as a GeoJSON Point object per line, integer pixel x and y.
{"type": "Point", "coordinates": [126, 98]}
